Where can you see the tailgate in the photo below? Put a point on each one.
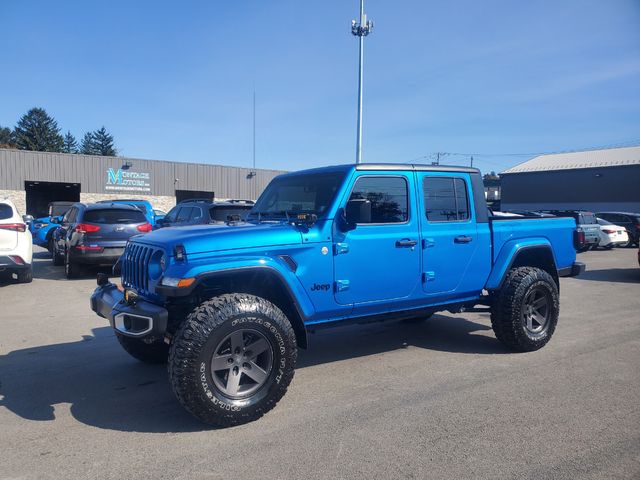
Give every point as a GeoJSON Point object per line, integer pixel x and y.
{"type": "Point", "coordinates": [8, 239]}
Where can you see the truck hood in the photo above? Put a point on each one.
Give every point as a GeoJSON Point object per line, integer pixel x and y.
{"type": "Point", "coordinates": [209, 238]}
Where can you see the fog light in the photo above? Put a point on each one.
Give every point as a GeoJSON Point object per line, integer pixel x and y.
{"type": "Point", "coordinates": [131, 296]}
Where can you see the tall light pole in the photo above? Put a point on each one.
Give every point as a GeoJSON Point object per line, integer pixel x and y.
{"type": "Point", "coordinates": [360, 30]}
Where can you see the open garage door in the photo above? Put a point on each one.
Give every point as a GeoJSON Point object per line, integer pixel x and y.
{"type": "Point", "coordinates": [40, 194]}
{"type": "Point", "coordinates": [183, 195]}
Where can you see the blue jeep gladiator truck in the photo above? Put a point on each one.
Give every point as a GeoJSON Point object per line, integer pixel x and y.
{"type": "Point", "coordinates": [227, 306]}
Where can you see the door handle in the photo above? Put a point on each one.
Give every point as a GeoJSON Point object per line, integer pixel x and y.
{"type": "Point", "coordinates": [405, 242]}
{"type": "Point", "coordinates": [462, 239]}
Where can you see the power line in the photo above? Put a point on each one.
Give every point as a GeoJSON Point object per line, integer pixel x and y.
{"type": "Point", "coordinates": [628, 143]}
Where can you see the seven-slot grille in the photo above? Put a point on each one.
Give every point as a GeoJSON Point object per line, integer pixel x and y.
{"type": "Point", "coordinates": [135, 266]}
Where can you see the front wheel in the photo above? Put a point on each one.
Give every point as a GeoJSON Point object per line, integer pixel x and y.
{"type": "Point", "coordinates": [524, 313]}
{"type": "Point", "coordinates": [232, 359]}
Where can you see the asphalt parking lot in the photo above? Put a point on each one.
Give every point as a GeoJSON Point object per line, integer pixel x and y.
{"type": "Point", "coordinates": [436, 400]}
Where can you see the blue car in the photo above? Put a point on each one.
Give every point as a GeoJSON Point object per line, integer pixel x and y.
{"type": "Point", "coordinates": [228, 305]}
{"type": "Point", "coordinates": [143, 205]}
{"type": "Point", "coordinates": [42, 228]}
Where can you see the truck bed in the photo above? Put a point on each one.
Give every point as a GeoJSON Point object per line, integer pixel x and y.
{"type": "Point", "coordinates": [556, 231]}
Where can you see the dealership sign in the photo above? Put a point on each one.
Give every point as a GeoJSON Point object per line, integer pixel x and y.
{"type": "Point", "coordinates": [126, 181]}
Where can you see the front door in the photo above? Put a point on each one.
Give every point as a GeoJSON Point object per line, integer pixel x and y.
{"type": "Point", "coordinates": [449, 234]}
{"type": "Point", "coordinates": [380, 259]}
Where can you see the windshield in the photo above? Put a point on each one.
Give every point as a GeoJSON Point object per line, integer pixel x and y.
{"type": "Point", "coordinates": [293, 194]}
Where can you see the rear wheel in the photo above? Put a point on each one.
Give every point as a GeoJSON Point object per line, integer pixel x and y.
{"type": "Point", "coordinates": [232, 359]}
{"type": "Point", "coordinates": [525, 311]}
{"type": "Point", "coordinates": [25, 276]}
{"type": "Point", "coordinates": [71, 269]}
{"type": "Point", "coordinates": [58, 260]}
{"type": "Point", "coordinates": [152, 352]}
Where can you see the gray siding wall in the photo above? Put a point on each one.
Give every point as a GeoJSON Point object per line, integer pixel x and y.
{"type": "Point", "coordinates": [596, 189]}
{"type": "Point", "coordinates": [18, 166]}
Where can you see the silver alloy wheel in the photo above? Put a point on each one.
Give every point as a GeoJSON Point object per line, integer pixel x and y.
{"type": "Point", "coordinates": [535, 311]}
{"type": "Point", "coordinates": [241, 363]}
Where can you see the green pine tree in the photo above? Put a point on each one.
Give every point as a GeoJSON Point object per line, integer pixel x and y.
{"type": "Point", "coordinates": [104, 143]}
{"type": "Point", "coordinates": [70, 144]}
{"type": "Point", "coordinates": [88, 145]}
{"type": "Point", "coordinates": [36, 130]}
{"type": "Point", "coordinates": [6, 138]}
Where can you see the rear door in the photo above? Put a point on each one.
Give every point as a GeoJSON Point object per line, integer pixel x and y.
{"type": "Point", "coordinates": [8, 227]}
{"type": "Point", "coordinates": [379, 260]}
{"type": "Point", "coordinates": [449, 233]}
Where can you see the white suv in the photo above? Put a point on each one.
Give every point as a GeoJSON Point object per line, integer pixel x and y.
{"type": "Point", "coordinates": [16, 245]}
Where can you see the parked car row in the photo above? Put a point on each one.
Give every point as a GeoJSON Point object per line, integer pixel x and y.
{"type": "Point", "coordinates": [82, 234]}
{"type": "Point", "coordinates": [603, 229]}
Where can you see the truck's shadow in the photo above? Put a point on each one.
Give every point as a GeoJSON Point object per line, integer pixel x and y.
{"type": "Point", "coordinates": [616, 275]}
{"type": "Point", "coordinates": [105, 388]}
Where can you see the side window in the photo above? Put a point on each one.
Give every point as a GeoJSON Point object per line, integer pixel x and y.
{"type": "Point", "coordinates": [71, 215]}
{"type": "Point", "coordinates": [446, 199]}
{"type": "Point", "coordinates": [388, 197]}
{"type": "Point", "coordinates": [184, 214]}
{"type": "Point", "coordinates": [196, 214]}
{"type": "Point", "coordinates": [171, 216]}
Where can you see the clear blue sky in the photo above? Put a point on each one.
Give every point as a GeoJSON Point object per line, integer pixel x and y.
{"type": "Point", "coordinates": [174, 80]}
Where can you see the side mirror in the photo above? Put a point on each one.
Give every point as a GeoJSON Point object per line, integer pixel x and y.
{"type": "Point", "coordinates": [55, 220]}
{"type": "Point", "coordinates": [28, 219]}
{"type": "Point", "coordinates": [356, 211]}
{"type": "Point", "coordinates": [160, 222]}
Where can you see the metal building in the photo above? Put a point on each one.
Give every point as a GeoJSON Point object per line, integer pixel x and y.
{"type": "Point", "coordinates": [595, 180]}
{"type": "Point", "coordinates": [33, 179]}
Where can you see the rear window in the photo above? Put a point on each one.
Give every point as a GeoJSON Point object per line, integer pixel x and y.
{"type": "Point", "coordinates": [220, 214]}
{"type": "Point", "coordinates": [113, 215]}
{"type": "Point", "coordinates": [5, 211]}
{"type": "Point", "coordinates": [587, 218]}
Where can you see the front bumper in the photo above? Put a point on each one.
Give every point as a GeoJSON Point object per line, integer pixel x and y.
{"type": "Point", "coordinates": [573, 271]}
{"type": "Point", "coordinates": [143, 319]}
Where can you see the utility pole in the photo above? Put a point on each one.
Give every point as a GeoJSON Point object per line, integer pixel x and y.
{"type": "Point", "coordinates": [254, 129]}
{"type": "Point", "coordinates": [360, 30]}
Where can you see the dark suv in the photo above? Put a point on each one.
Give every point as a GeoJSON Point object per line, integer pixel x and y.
{"type": "Point", "coordinates": [96, 234]}
{"type": "Point", "coordinates": [200, 212]}
{"type": "Point", "coordinates": [630, 221]}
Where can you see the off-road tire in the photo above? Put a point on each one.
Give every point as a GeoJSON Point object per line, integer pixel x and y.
{"type": "Point", "coordinates": [51, 246]}
{"type": "Point", "coordinates": [200, 337]}
{"type": "Point", "coordinates": [25, 276]}
{"type": "Point", "coordinates": [509, 309]}
{"type": "Point", "coordinates": [156, 352]}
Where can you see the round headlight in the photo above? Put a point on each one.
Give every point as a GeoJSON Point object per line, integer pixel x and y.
{"type": "Point", "coordinates": [157, 265]}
